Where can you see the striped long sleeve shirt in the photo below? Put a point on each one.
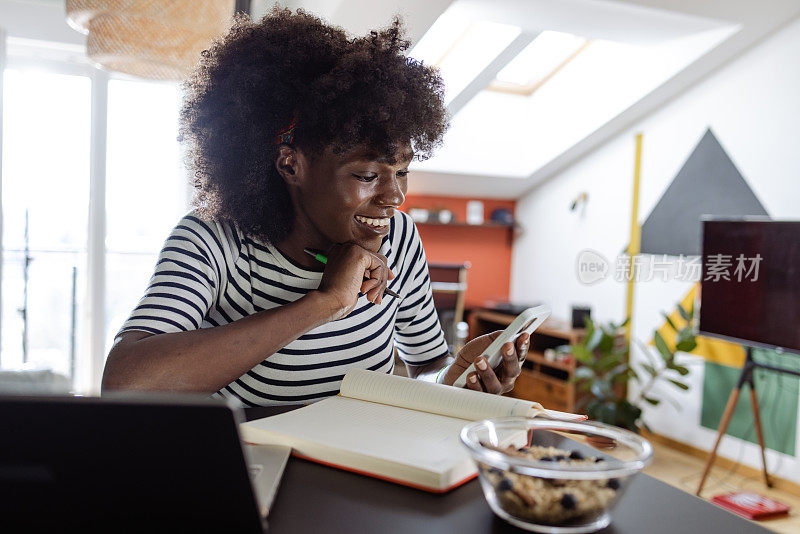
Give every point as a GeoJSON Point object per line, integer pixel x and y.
{"type": "Point", "coordinates": [209, 274]}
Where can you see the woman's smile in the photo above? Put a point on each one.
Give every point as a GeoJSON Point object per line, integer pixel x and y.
{"type": "Point", "coordinates": [378, 226]}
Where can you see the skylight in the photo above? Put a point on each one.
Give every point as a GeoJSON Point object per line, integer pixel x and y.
{"type": "Point", "coordinates": [538, 62]}
{"type": "Point", "coordinates": [598, 84]}
{"type": "Point", "coordinates": [462, 49]}
{"type": "Point", "coordinates": [439, 38]}
{"type": "Point", "coordinates": [576, 75]}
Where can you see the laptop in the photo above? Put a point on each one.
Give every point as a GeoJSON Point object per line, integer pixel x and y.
{"type": "Point", "coordinates": [131, 463]}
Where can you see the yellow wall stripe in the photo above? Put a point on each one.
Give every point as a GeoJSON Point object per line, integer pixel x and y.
{"type": "Point", "coordinates": [634, 245]}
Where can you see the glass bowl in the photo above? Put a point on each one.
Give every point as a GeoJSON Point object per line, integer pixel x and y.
{"type": "Point", "coordinates": [555, 477]}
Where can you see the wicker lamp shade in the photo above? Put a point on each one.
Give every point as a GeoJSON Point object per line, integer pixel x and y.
{"type": "Point", "coordinates": [155, 39]}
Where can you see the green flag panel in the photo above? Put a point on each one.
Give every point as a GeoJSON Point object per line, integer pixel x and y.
{"type": "Point", "coordinates": [777, 400]}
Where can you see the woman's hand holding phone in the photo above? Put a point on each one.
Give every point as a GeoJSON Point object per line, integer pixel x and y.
{"type": "Point", "coordinates": [502, 351]}
{"type": "Point", "coordinates": [496, 380]}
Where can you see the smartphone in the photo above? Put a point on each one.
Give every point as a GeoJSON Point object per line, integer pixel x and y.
{"type": "Point", "coordinates": [525, 323]}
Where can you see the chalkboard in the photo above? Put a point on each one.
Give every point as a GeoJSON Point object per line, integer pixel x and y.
{"type": "Point", "coordinates": [707, 184]}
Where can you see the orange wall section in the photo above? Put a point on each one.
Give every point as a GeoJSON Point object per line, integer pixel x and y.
{"type": "Point", "coordinates": [488, 249]}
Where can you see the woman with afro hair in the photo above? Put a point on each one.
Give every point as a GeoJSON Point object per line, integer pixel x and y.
{"type": "Point", "coordinates": [299, 137]}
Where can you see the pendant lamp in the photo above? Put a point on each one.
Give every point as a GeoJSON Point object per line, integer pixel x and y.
{"type": "Point", "coordinates": [154, 39]}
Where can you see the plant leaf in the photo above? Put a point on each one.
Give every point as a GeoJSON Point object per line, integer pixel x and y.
{"type": "Point", "coordinates": [662, 347]}
{"type": "Point", "coordinates": [654, 402]}
{"type": "Point", "coordinates": [650, 369]}
{"type": "Point", "coordinates": [684, 314]}
{"type": "Point", "coordinates": [606, 343]}
{"type": "Point", "coordinates": [621, 378]}
{"type": "Point", "coordinates": [594, 340]}
{"type": "Point", "coordinates": [608, 362]}
{"type": "Point", "coordinates": [686, 345]}
{"type": "Point", "coordinates": [681, 369]}
{"type": "Point", "coordinates": [589, 327]}
{"type": "Point", "coordinates": [628, 414]}
{"type": "Point", "coordinates": [620, 373]}
{"type": "Point", "coordinates": [679, 384]}
{"type": "Point", "coordinates": [646, 350]}
{"type": "Point", "coordinates": [633, 374]}
{"type": "Point", "coordinates": [608, 413]}
{"type": "Point", "coordinates": [582, 354]}
{"type": "Point", "coordinates": [685, 333]}
{"type": "Point", "coordinates": [621, 352]}
{"type": "Point", "coordinates": [669, 321]}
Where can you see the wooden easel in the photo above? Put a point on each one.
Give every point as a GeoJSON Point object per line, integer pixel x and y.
{"type": "Point", "coordinates": [745, 378]}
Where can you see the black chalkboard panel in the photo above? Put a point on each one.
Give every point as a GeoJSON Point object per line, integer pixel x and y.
{"type": "Point", "coordinates": [708, 184]}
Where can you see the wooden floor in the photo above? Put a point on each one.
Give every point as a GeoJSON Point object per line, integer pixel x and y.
{"type": "Point", "coordinates": [683, 471]}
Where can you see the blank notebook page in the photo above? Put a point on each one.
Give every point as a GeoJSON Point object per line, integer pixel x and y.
{"type": "Point", "coordinates": [393, 434]}
{"type": "Point", "coordinates": [434, 398]}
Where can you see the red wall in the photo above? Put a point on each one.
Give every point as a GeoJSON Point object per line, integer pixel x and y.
{"type": "Point", "coordinates": [488, 249]}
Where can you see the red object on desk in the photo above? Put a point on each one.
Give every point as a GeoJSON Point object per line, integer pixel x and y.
{"type": "Point", "coordinates": [751, 505]}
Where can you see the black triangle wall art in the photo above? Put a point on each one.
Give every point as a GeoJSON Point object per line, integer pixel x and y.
{"type": "Point", "coordinates": [708, 184]}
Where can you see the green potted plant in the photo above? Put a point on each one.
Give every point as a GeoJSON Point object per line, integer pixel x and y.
{"type": "Point", "coordinates": [605, 370]}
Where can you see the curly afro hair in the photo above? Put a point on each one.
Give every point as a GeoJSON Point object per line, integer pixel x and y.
{"type": "Point", "coordinates": [342, 92]}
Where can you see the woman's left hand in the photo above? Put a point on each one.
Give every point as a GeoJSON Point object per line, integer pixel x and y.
{"type": "Point", "coordinates": [499, 380]}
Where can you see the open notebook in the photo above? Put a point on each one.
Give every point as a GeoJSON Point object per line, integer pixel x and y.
{"type": "Point", "coordinates": [391, 427]}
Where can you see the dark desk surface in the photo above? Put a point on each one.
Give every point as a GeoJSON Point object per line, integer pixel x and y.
{"type": "Point", "coordinates": [316, 498]}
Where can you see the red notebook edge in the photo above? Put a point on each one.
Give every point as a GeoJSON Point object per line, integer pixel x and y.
{"type": "Point", "coordinates": [388, 479]}
{"type": "Point", "coordinates": [381, 477]}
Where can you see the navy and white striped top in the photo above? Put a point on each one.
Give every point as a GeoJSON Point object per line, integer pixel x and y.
{"type": "Point", "coordinates": [210, 274]}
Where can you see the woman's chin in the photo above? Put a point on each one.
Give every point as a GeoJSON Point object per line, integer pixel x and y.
{"type": "Point", "coordinates": [369, 238]}
{"type": "Point", "coordinates": [371, 243]}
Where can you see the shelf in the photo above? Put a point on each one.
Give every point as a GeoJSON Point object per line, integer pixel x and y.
{"type": "Point", "coordinates": [538, 375]}
{"type": "Point", "coordinates": [539, 358]}
{"type": "Point", "coordinates": [562, 329]}
{"type": "Point", "coordinates": [492, 317]}
{"type": "Point", "coordinates": [465, 225]}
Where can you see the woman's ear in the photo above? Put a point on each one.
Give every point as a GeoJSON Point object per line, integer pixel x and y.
{"type": "Point", "coordinates": [288, 164]}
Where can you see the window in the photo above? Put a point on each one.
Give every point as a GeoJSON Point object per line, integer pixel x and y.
{"type": "Point", "coordinates": [45, 192]}
{"type": "Point", "coordinates": [146, 191]}
{"type": "Point", "coordinates": [46, 317]}
{"type": "Point", "coordinates": [538, 62]}
{"type": "Point", "coordinates": [462, 48]}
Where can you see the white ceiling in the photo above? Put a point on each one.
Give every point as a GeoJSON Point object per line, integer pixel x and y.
{"type": "Point", "coordinates": [361, 16]}
{"type": "Point", "coordinates": [598, 85]}
{"type": "Point", "coordinates": [502, 145]}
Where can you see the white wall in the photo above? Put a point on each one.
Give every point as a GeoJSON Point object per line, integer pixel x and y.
{"type": "Point", "coordinates": [751, 104]}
